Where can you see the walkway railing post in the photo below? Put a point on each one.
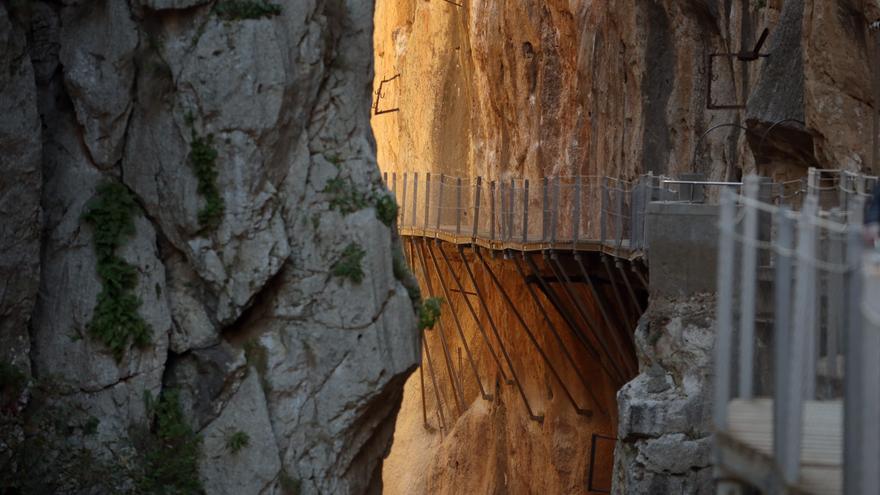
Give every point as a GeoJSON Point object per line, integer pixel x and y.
{"type": "Point", "coordinates": [782, 331]}
{"type": "Point", "coordinates": [492, 210]}
{"type": "Point", "coordinates": [856, 466]}
{"type": "Point", "coordinates": [440, 201]}
{"type": "Point", "coordinates": [603, 210]}
{"type": "Point", "coordinates": [511, 214]}
{"type": "Point", "coordinates": [415, 197]}
{"type": "Point", "coordinates": [554, 222]}
{"type": "Point", "coordinates": [800, 339]}
{"type": "Point", "coordinates": [545, 209]}
{"type": "Point", "coordinates": [403, 202]}
{"type": "Point", "coordinates": [458, 207]}
{"type": "Point", "coordinates": [576, 220]}
{"type": "Point", "coordinates": [477, 190]}
{"type": "Point", "coordinates": [748, 284]}
{"type": "Point", "coordinates": [525, 236]}
{"type": "Point", "coordinates": [502, 198]}
{"type": "Point", "coordinates": [618, 222]}
{"type": "Point", "coordinates": [724, 317]}
{"type": "Point", "coordinates": [427, 200]}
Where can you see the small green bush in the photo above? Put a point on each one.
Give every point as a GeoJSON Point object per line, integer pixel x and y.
{"type": "Point", "coordinates": [171, 462]}
{"type": "Point", "coordinates": [236, 10]}
{"type": "Point", "coordinates": [386, 208]}
{"type": "Point", "coordinates": [349, 264]}
{"type": "Point", "coordinates": [203, 158]}
{"type": "Point", "coordinates": [115, 321]}
{"type": "Point", "coordinates": [237, 441]}
{"type": "Point", "coordinates": [345, 198]}
{"type": "Point", "coordinates": [429, 312]}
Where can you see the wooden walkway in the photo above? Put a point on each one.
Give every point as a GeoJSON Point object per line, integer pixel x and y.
{"type": "Point", "coordinates": [746, 448]}
{"type": "Point", "coordinates": [618, 249]}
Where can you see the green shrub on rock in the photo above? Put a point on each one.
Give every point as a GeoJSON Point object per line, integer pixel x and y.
{"type": "Point", "coordinates": [349, 264]}
{"type": "Point", "coordinates": [115, 321]}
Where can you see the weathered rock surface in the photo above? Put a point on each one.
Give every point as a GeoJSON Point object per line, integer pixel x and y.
{"type": "Point", "coordinates": [664, 443]}
{"type": "Point", "coordinates": [621, 88]}
{"type": "Point", "coordinates": [248, 325]}
{"type": "Point", "coordinates": [20, 188]}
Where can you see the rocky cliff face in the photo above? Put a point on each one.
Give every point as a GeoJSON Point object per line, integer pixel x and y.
{"type": "Point", "coordinates": [197, 268]}
{"type": "Point", "coordinates": [621, 88]}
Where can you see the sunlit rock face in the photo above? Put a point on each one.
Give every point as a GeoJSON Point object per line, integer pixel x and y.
{"type": "Point", "coordinates": [615, 88]}
{"type": "Point", "coordinates": [620, 88]}
{"type": "Point", "coordinates": [247, 322]}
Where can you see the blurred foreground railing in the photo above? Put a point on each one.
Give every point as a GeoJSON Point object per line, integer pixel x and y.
{"type": "Point", "coordinates": [797, 370]}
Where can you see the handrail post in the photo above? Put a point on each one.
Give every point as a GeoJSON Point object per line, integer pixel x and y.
{"type": "Point", "coordinates": [458, 207]}
{"type": "Point", "coordinates": [492, 210]}
{"type": "Point", "coordinates": [477, 189]}
{"type": "Point", "coordinates": [545, 209]}
{"type": "Point", "coordinates": [782, 332]}
{"type": "Point", "coordinates": [724, 317]}
{"type": "Point", "coordinates": [403, 202]}
{"type": "Point", "coordinates": [502, 216]}
{"type": "Point", "coordinates": [618, 222]}
{"type": "Point", "coordinates": [427, 199]}
{"type": "Point", "coordinates": [415, 197]}
{"type": "Point", "coordinates": [800, 340]}
{"type": "Point", "coordinates": [812, 180]}
{"type": "Point", "coordinates": [440, 202]}
{"type": "Point", "coordinates": [510, 214]}
{"type": "Point", "coordinates": [555, 213]}
{"type": "Point", "coordinates": [525, 237]}
{"type": "Point", "coordinates": [603, 209]}
{"type": "Point", "coordinates": [747, 290]}
{"type": "Point", "coordinates": [576, 220]}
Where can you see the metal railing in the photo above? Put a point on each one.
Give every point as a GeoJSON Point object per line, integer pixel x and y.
{"type": "Point", "coordinates": [567, 211]}
{"type": "Point", "coordinates": [796, 319]}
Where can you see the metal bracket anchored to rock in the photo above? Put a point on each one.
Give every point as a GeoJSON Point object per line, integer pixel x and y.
{"type": "Point", "coordinates": [749, 56]}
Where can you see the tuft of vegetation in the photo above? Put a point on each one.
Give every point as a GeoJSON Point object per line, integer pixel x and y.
{"type": "Point", "coordinates": [429, 312]}
{"type": "Point", "coordinates": [289, 484]}
{"type": "Point", "coordinates": [349, 264]}
{"type": "Point", "coordinates": [386, 208]}
{"type": "Point", "coordinates": [171, 459]}
{"type": "Point", "coordinates": [236, 10]}
{"type": "Point", "coordinates": [345, 198]}
{"type": "Point", "coordinates": [237, 441]}
{"type": "Point", "coordinates": [116, 321]}
{"type": "Point", "coordinates": [203, 158]}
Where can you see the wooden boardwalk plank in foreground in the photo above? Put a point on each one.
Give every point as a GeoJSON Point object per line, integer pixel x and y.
{"type": "Point", "coordinates": [746, 448]}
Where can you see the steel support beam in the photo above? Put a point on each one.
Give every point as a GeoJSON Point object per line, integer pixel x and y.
{"type": "Point", "coordinates": [519, 387]}
{"type": "Point", "coordinates": [585, 315]}
{"type": "Point", "coordinates": [475, 317]}
{"type": "Point", "coordinates": [453, 377]}
{"type": "Point", "coordinates": [559, 340]}
{"type": "Point", "coordinates": [531, 336]}
{"type": "Point", "coordinates": [467, 348]}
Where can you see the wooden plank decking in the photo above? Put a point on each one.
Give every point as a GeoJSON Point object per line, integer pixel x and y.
{"type": "Point", "coordinates": [746, 448]}
{"type": "Point", "coordinates": [610, 247]}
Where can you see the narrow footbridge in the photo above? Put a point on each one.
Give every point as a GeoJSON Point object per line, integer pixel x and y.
{"type": "Point", "coordinates": [562, 257]}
